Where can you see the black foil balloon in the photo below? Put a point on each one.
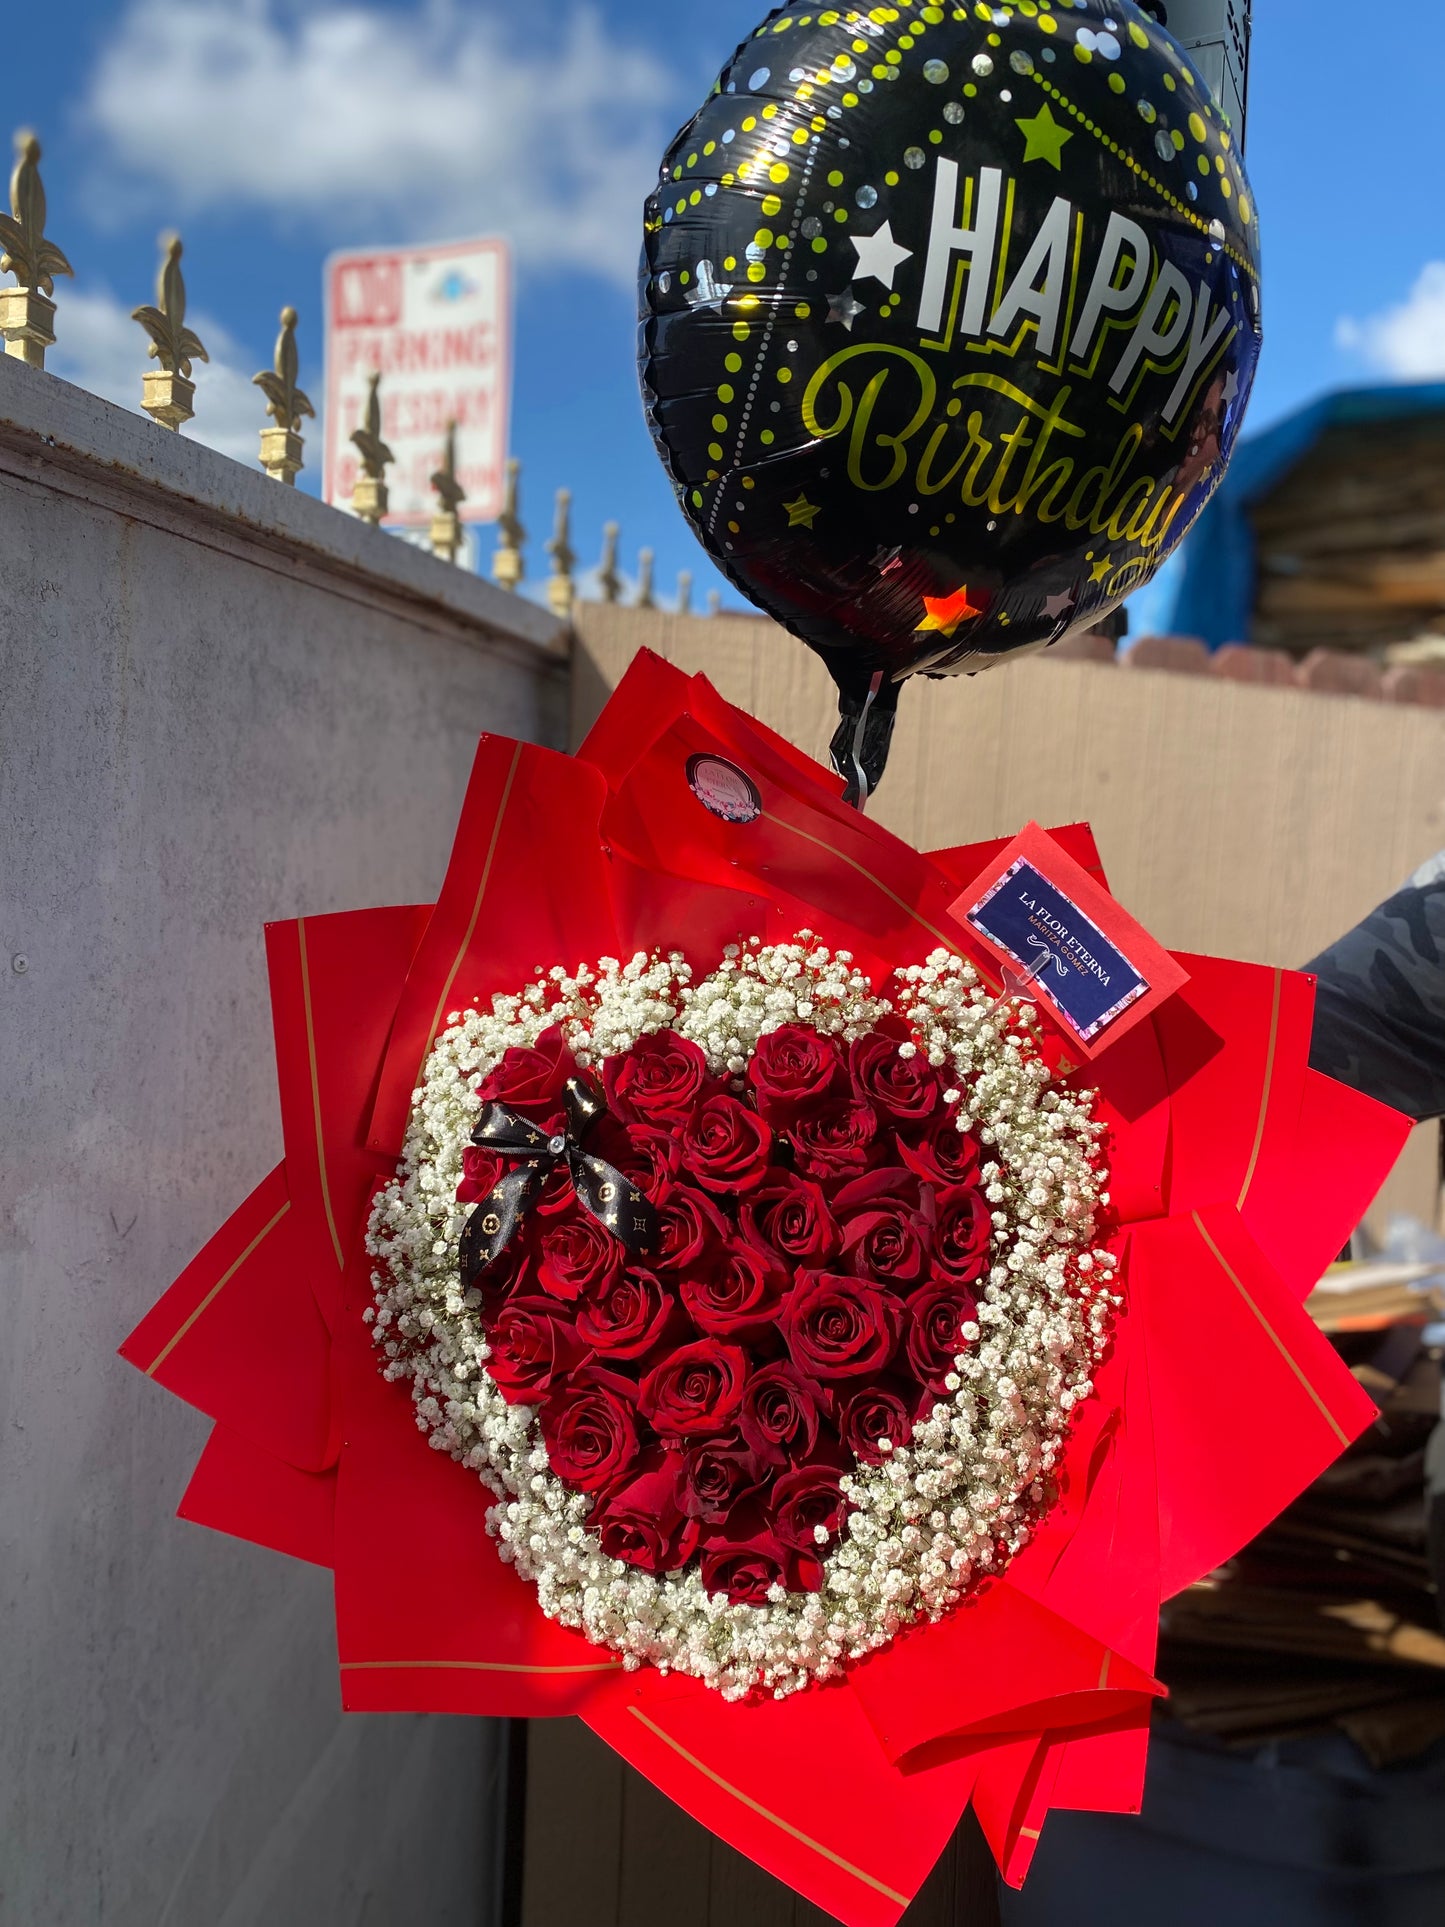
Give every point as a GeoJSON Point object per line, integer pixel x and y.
{"type": "Point", "coordinates": [949, 315]}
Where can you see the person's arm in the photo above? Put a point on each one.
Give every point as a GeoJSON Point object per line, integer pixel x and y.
{"type": "Point", "coordinates": [1379, 1021]}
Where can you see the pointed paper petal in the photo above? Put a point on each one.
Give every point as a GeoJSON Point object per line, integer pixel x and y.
{"type": "Point", "coordinates": [965, 861]}
{"type": "Point", "coordinates": [251, 1494]}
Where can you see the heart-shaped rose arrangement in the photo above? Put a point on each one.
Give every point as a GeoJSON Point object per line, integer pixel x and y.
{"type": "Point", "coordinates": [827, 1394]}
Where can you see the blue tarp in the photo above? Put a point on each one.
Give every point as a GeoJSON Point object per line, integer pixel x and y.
{"type": "Point", "coordinates": [1215, 597]}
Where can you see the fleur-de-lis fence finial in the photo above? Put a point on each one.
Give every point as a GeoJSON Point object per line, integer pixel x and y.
{"type": "Point", "coordinates": [561, 589]}
{"type": "Point", "coordinates": [608, 580]}
{"type": "Point", "coordinates": [509, 564]}
{"type": "Point", "coordinates": [285, 404]}
{"type": "Point", "coordinates": [369, 494]}
{"type": "Point", "coordinates": [684, 592]}
{"type": "Point", "coordinates": [446, 523]}
{"type": "Point", "coordinates": [167, 393]}
{"type": "Point", "coordinates": [27, 314]}
{"type": "Point", "coordinates": [645, 597]}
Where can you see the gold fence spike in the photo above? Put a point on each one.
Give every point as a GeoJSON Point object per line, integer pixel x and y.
{"type": "Point", "coordinates": [285, 404]}
{"type": "Point", "coordinates": [645, 598]}
{"type": "Point", "coordinates": [369, 496]}
{"type": "Point", "coordinates": [714, 602]}
{"type": "Point", "coordinates": [561, 589]}
{"type": "Point", "coordinates": [684, 592]}
{"type": "Point", "coordinates": [27, 314]}
{"type": "Point", "coordinates": [509, 564]}
{"type": "Point", "coordinates": [167, 393]}
{"type": "Point", "coordinates": [446, 524]}
{"type": "Point", "coordinates": [608, 580]}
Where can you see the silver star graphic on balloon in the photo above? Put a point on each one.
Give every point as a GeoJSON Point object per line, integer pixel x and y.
{"type": "Point", "coordinates": [879, 255]}
{"type": "Point", "coordinates": [709, 291]}
{"type": "Point", "coordinates": [1231, 386]}
{"type": "Point", "coordinates": [1058, 605]}
{"type": "Point", "coordinates": [844, 308]}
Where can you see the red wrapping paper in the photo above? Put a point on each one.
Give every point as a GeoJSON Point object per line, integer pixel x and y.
{"type": "Point", "coordinates": [1236, 1174]}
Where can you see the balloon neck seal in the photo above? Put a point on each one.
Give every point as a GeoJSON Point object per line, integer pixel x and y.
{"type": "Point", "coordinates": [865, 729]}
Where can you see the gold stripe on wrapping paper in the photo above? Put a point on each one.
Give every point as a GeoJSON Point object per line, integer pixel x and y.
{"type": "Point", "coordinates": [1325, 1413]}
{"type": "Point", "coordinates": [1264, 1094]}
{"type": "Point", "coordinates": [1104, 1670]}
{"type": "Point", "coordinates": [436, 1022]}
{"type": "Point", "coordinates": [949, 943]}
{"type": "Point", "coordinates": [465, 1666]}
{"type": "Point", "coordinates": [216, 1289]}
{"type": "Point", "coordinates": [1028, 1833]}
{"type": "Point", "coordinates": [316, 1095]}
{"type": "Point", "coordinates": [784, 1826]}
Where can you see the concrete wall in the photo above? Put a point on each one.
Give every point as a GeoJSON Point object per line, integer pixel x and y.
{"type": "Point", "coordinates": [219, 703]}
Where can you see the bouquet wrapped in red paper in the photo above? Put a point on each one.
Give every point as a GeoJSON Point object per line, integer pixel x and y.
{"type": "Point", "coordinates": [797, 1303]}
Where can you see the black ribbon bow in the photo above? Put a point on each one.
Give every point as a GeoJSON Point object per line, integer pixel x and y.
{"type": "Point", "coordinates": [612, 1199]}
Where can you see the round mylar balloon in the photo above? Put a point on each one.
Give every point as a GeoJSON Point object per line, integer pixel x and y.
{"type": "Point", "coordinates": [949, 316]}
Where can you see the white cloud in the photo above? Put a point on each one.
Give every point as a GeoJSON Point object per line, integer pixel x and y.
{"type": "Point", "coordinates": [373, 122]}
{"type": "Point", "coordinates": [1408, 340]}
{"type": "Point", "coordinates": [99, 347]}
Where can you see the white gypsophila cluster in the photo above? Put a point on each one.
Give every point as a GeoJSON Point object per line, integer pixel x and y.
{"type": "Point", "coordinates": [935, 1516]}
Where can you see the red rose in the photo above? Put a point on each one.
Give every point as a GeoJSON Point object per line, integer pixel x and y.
{"type": "Point", "coordinates": [905, 1090]}
{"type": "Point", "coordinates": [943, 1154]}
{"type": "Point", "coordinates": [531, 1349]}
{"type": "Point", "coordinates": [838, 1327]}
{"type": "Point", "coordinates": [963, 1235]}
{"type": "Point", "coordinates": [589, 1429]}
{"type": "Point", "coordinates": [885, 1234]}
{"type": "Point", "coordinates": [511, 1274]}
{"type": "Point", "coordinates": [641, 1521]}
{"type": "Point", "coordinates": [836, 1142]}
{"type": "Point", "coordinates": [745, 1558]}
{"type": "Point", "coordinates": [577, 1254]}
{"type": "Point", "coordinates": [726, 1147]}
{"type": "Point", "coordinates": [480, 1171]}
{"type": "Point", "coordinates": [628, 1315]}
{"type": "Point", "coordinates": [790, 1215]}
{"type": "Point", "coordinates": [737, 1295]}
{"type": "Point", "coordinates": [651, 1159]}
{"type": "Point", "coordinates": [695, 1390]}
{"type": "Point", "coordinates": [792, 1070]}
{"type": "Point", "coordinates": [806, 1497]}
{"type": "Point", "coordinates": [688, 1225]}
{"type": "Point", "coordinates": [867, 1414]}
{"type": "Point", "coordinates": [934, 1338]}
{"type": "Point", "coordinates": [716, 1475]}
{"type": "Point", "coordinates": [531, 1081]}
{"type": "Point", "coordinates": [780, 1413]}
{"type": "Point", "coordinates": [658, 1081]}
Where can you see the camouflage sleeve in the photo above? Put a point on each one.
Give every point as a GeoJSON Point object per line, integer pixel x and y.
{"type": "Point", "coordinates": [1380, 1010]}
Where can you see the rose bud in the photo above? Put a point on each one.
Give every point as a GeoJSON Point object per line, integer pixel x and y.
{"type": "Point", "coordinates": [806, 1497]}
{"type": "Point", "coordinates": [696, 1390]}
{"type": "Point", "coordinates": [716, 1475]}
{"type": "Point", "coordinates": [837, 1327]}
{"type": "Point", "coordinates": [577, 1255]}
{"type": "Point", "coordinates": [943, 1154]}
{"type": "Point", "coordinates": [531, 1081]}
{"type": "Point", "coordinates": [658, 1081]}
{"type": "Point", "coordinates": [726, 1147]}
{"type": "Point", "coordinates": [779, 1416]}
{"type": "Point", "coordinates": [629, 1316]}
{"type": "Point", "coordinates": [793, 1069]}
{"type": "Point", "coordinates": [905, 1091]}
{"type": "Point", "coordinates": [885, 1234]}
{"type": "Point", "coordinates": [866, 1415]}
{"type": "Point", "coordinates": [790, 1215]}
{"type": "Point", "coordinates": [963, 1235]}
{"type": "Point", "coordinates": [480, 1172]}
{"type": "Point", "coordinates": [745, 1558]}
{"type": "Point", "coordinates": [641, 1520]}
{"type": "Point", "coordinates": [934, 1336]}
{"type": "Point", "coordinates": [590, 1430]}
{"type": "Point", "coordinates": [532, 1348]}
{"type": "Point", "coordinates": [737, 1295]}
{"type": "Point", "coordinates": [835, 1142]}
{"type": "Point", "coordinates": [689, 1225]}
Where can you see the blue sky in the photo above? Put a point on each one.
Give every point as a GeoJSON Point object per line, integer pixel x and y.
{"type": "Point", "coordinates": [271, 131]}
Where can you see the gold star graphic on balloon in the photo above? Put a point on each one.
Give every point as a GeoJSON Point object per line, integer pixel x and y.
{"type": "Point", "coordinates": [1044, 137]}
{"type": "Point", "coordinates": [801, 513]}
{"type": "Point", "coordinates": [945, 613]}
{"type": "Point", "coordinates": [1101, 569]}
